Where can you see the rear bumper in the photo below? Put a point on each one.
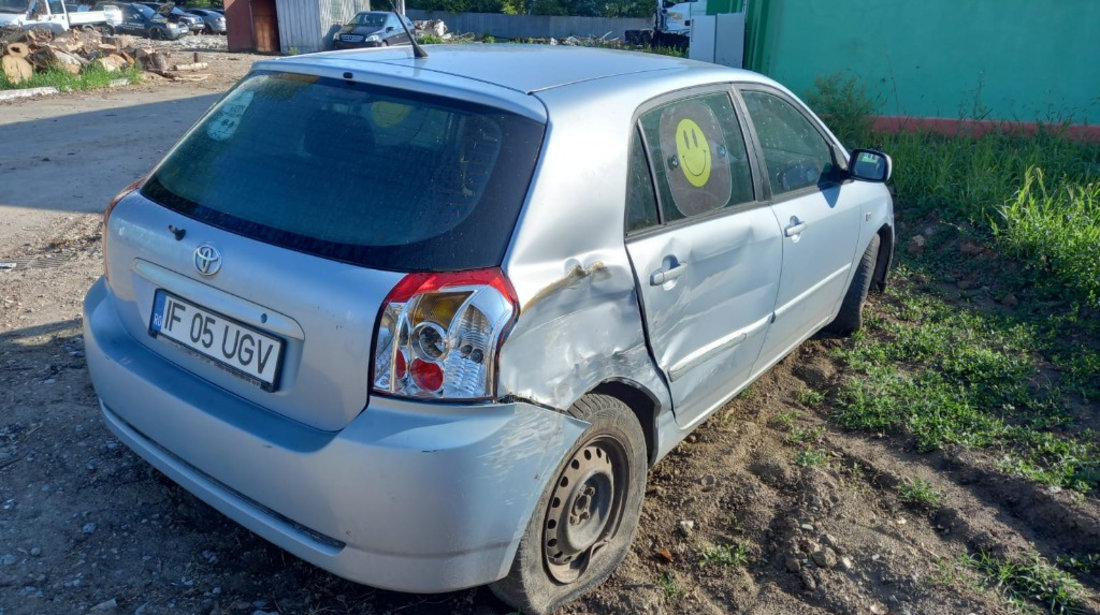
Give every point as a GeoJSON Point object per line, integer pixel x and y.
{"type": "Point", "coordinates": [408, 496]}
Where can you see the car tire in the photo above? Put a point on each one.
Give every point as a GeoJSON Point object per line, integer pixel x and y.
{"type": "Point", "coordinates": [158, 34]}
{"type": "Point", "coordinates": [105, 29]}
{"type": "Point", "coordinates": [583, 524]}
{"type": "Point", "coordinates": [850, 317]}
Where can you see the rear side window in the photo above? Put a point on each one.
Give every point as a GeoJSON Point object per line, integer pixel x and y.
{"type": "Point", "coordinates": [698, 153]}
{"type": "Point", "coordinates": [378, 177]}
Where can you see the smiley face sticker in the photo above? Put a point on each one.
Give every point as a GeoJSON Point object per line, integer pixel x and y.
{"type": "Point", "coordinates": [696, 163]}
{"type": "Point", "coordinates": [693, 152]}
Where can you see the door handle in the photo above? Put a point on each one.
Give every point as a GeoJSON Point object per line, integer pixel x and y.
{"type": "Point", "coordinates": [669, 272]}
{"type": "Point", "coordinates": [795, 228]}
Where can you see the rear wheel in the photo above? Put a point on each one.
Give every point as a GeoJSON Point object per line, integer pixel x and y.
{"type": "Point", "coordinates": [583, 523]}
{"type": "Point", "coordinates": [850, 317]}
{"type": "Point", "coordinates": [158, 34]}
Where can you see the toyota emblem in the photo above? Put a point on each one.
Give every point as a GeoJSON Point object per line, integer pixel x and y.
{"type": "Point", "coordinates": [207, 259]}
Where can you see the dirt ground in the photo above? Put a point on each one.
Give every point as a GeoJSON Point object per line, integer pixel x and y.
{"type": "Point", "coordinates": [86, 526]}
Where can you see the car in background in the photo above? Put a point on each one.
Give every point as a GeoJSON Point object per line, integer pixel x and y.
{"type": "Point", "coordinates": [373, 29]}
{"type": "Point", "coordinates": [173, 13]}
{"type": "Point", "coordinates": [426, 322]}
{"type": "Point", "coordinates": [213, 21]}
{"type": "Point", "coordinates": [140, 20]}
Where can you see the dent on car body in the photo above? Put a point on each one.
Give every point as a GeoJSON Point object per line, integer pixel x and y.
{"type": "Point", "coordinates": [584, 328]}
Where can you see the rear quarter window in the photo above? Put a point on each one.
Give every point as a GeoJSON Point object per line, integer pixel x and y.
{"type": "Point", "coordinates": [384, 178]}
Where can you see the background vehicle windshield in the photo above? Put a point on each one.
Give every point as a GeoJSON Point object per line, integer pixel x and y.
{"type": "Point", "coordinates": [374, 20]}
{"type": "Point", "coordinates": [385, 178]}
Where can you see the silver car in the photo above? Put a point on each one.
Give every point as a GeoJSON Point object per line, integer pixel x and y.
{"type": "Point", "coordinates": [426, 323]}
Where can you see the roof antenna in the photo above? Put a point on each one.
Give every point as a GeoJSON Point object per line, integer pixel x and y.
{"type": "Point", "coordinates": [418, 51]}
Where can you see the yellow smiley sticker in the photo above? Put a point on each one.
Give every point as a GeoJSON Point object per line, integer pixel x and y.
{"type": "Point", "coordinates": [385, 114]}
{"type": "Point", "coordinates": [694, 152]}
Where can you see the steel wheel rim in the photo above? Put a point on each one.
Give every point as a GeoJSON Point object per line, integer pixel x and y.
{"type": "Point", "coordinates": [585, 507]}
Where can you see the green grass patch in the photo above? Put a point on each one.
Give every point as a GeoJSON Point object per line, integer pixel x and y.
{"type": "Point", "coordinates": [91, 78]}
{"type": "Point", "coordinates": [1056, 232]}
{"type": "Point", "coordinates": [810, 398]}
{"type": "Point", "coordinates": [947, 374]}
{"type": "Point", "coordinates": [670, 586]}
{"type": "Point", "coordinates": [920, 493]}
{"type": "Point", "coordinates": [726, 555]}
{"type": "Point", "coordinates": [1033, 581]}
{"type": "Point", "coordinates": [811, 457]}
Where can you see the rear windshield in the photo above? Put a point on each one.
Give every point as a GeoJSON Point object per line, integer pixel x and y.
{"type": "Point", "coordinates": [385, 178]}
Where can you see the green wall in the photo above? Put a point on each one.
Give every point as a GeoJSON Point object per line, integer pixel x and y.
{"type": "Point", "coordinates": [1011, 60]}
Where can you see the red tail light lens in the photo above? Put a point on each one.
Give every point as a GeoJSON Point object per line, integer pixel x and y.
{"type": "Point", "coordinates": [438, 334]}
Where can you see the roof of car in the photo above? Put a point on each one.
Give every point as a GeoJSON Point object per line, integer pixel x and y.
{"type": "Point", "coordinates": [524, 68]}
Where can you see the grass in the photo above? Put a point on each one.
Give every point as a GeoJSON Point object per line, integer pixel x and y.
{"type": "Point", "coordinates": [725, 555]}
{"type": "Point", "coordinates": [810, 458]}
{"type": "Point", "coordinates": [92, 78]}
{"type": "Point", "coordinates": [919, 493]}
{"type": "Point", "coordinates": [946, 365]}
{"type": "Point", "coordinates": [810, 398]}
{"type": "Point", "coordinates": [1057, 233]}
{"type": "Point", "coordinates": [670, 586]}
{"type": "Point", "coordinates": [951, 375]}
{"type": "Point", "coordinates": [1022, 583]}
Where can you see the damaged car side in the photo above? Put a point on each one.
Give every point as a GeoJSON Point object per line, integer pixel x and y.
{"type": "Point", "coordinates": [425, 322]}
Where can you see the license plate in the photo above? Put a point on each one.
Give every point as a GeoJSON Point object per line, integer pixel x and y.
{"type": "Point", "coordinates": [236, 347]}
{"type": "Point", "coordinates": [350, 38]}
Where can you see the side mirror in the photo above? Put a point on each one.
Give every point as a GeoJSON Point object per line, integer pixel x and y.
{"type": "Point", "coordinates": [870, 165]}
{"type": "Point", "coordinates": [389, 28]}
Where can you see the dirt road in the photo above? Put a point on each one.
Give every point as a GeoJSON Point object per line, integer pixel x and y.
{"type": "Point", "coordinates": [735, 521]}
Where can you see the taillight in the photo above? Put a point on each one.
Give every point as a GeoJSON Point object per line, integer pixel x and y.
{"type": "Point", "coordinates": [134, 185]}
{"type": "Point", "coordinates": [439, 333]}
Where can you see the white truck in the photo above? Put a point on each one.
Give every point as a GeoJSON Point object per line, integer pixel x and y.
{"type": "Point", "coordinates": [671, 25]}
{"type": "Point", "coordinates": [55, 16]}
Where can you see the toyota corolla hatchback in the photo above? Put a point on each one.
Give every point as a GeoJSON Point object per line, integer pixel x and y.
{"type": "Point", "coordinates": [426, 322]}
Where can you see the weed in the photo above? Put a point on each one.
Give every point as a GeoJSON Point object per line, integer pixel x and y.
{"type": "Point", "coordinates": [429, 39]}
{"type": "Point", "coordinates": [919, 492]}
{"type": "Point", "coordinates": [843, 102]}
{"type": "Point", "coordinates": [726, 555]}
{"type": "Point", "coordinates": [748, 393]}
{"type": "Point", "coordinates": [800, 436]}
{"type": "Point", "coordinates": [1080, 563]}
{"type": "Point", "coordinates": [954, 375]}
{"type": "Point", "coordinates": [810, 457]}
{"type": "Point", "coordinates": [810, 398]}
{"type": "Point", "coordinates": [1055, 233]}
{"type": "Point", "coordinates": [669, 585]}
{"type": "Point", "coordinates": [93, 77]}
{"type": "Point", "coordinates": [488, 38]}
{"type": "Point", "coordinates": [1034, 579]}
{"type": "Point", "coordinates": [785, 420]}
{"type": "Point", "coordinates": [675, 52]}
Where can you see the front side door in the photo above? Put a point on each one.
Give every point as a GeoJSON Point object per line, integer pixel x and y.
{"type": "Point", "coordinates": [818, 214]}
{"type": "Point", "coordinates": [706, 252]}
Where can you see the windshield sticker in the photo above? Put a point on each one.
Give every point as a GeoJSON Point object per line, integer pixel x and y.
{"type": "Point", "coordinates": [223, 125]}
{"type": "Point", "coordinates": [386, 114]}
{"type": "Point", "coordinates": [694, 152]}
{"type": "Point", "coordinates": [697, 164]}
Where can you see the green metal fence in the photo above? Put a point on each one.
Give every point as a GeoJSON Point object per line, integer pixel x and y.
{"type": "Point", "coordinates": [1004, 60]}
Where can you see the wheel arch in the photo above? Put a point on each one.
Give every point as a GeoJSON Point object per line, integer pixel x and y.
{"type": "Point", "coordinates": [642, 403]}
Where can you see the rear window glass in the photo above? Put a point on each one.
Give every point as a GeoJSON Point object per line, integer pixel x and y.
{"type": "Point", "coordinates": [385, 178]}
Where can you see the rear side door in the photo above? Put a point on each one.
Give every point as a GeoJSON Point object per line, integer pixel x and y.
{"type": "Point", "coordinates": [705, 249]}
{"type": "Point", "coordinates": [817, 212]}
